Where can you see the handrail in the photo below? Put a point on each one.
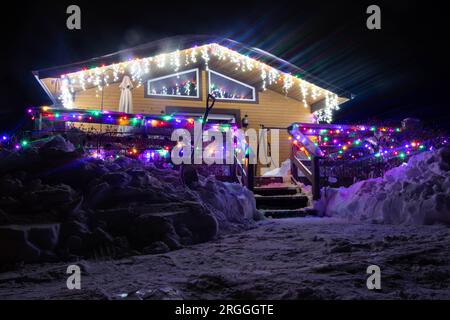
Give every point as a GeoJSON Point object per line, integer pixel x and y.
{"type": "Point", "coordinates": [316, 154]}
{"type": "Point", "coordinates": [297, 162]}
{"type": "Point", "coordinates": [312, 149]}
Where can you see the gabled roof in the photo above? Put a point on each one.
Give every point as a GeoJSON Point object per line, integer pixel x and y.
{"type": "Point", "coordinates": [246, 63]}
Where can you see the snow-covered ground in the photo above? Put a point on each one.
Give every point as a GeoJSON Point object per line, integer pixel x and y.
{"type": "Point", "coordinates": [67, 207]}
{"type": "Point", "coordinates": [302, 258]}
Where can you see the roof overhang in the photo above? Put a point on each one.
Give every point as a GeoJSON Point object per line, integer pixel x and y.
{"type": "Point", "coordinates": [175, 54]}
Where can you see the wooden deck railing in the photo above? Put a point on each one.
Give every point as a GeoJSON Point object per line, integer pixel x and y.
{"type": "Point", "coordinates": [312, 173]}
{"type": "Point", "coordinates": [310, 168]}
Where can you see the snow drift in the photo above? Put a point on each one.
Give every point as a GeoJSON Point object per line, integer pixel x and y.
{"type": "Point", "coordinates": [417, 192]}
{"type": "Point", "coordinates": [56, 204]}
{"type": "Point", "coordinates": [283, 171]}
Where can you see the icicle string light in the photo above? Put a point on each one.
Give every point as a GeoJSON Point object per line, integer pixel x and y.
{"type": "Point", "coordinates": [139, 69]}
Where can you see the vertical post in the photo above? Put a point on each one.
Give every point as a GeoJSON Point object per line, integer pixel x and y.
{"type": "Point", "coordinates": [250, 176]}
{"type": "Point", "coordinates": [39, 122]}
{"type": "Point", "coordinates": [316, 178]}
{"type": "Point", "coordinates": [294, 170]}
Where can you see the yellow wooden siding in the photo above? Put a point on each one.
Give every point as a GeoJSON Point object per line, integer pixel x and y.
{"type": "Point", "coordinates": [272, 110]}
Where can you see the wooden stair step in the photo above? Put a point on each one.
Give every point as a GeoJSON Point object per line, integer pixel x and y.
{"type": "Point", "coordinates": [280, 214]}
{"type": "Point", "coordinates": [261, 181]}
{"type": "Point", "coordinates": [270, 191]}
{"type": "Point", "coordinates": [296, 201]}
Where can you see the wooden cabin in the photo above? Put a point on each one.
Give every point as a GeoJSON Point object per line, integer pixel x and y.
{"type": "Point", "coordinates": [175, 75]}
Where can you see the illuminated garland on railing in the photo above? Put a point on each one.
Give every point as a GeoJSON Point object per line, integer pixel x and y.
{"type": "Point", "coordinates": [139, 69]}
{"type": "Point", "coordinates": [152, 122]}
{"type": "Point", "coordinates": [122, 119]}
{"type": "Point", "coordinates": [360, 142]}
{"type": "Point", "coordinates": [145, 155]}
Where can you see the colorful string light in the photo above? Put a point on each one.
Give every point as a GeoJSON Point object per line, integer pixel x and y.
{"type": "Point", "coordinates": [119, 118]}
{"type": "Point", "coordinates": [358, 142]}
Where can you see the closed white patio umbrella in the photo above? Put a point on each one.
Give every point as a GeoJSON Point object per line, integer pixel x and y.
{"type": "Point", "coordinates": [126, 98]}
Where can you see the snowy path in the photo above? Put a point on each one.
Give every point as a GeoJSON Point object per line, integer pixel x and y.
{"type": "Point", "coordinates": [281, 259]}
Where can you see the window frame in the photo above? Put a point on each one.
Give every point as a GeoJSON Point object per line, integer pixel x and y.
{"type": "Point", "coordinates": [162, 96]}
{"type": "Point", "coordinates": [255, 92]}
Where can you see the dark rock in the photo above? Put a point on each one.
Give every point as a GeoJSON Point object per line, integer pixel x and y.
{"type": "Point", "coordinates": [123, 162]}
{"type": "Point", "coordinates": [118, 221]}
{"type": "Point", "coordinates": [112, 167]}
{"type": "Point", "coordinates": [189, 176]}
{"type": "Point", "coordinates": [8, 201]}
{"type": "Point", "coordinates": [34, 185]}
{"type": "Point", "coordinates": [100, 236]}
{"type": "Point", "coordinates": [21, 175]}
{"type": "Point", "coordinates": [45, 237]}
{"type": "Point", "coordinates": [117, 179]}
{"type": "Point", "coordinates": [48, 256]}
{"type": "Point", "coordinates": [76, 228]}
{"type": "Point", "coordinates": [10, 186]}
{"type": "Point", "coordinates": [183, 231]}
{"type": "Point", "coordinates": [4, 218]}
{"type": "Point", "coordinates": [130, 194]}
{"type": "Point", "coordinates": [15, 247]}
{"type": "Point", "coordinates": [149, 228]}
{"type": "Point", "coordinates": [172, 242]}
{"type": "Point", "coordinates": [74, 244]}
{"type": "Point", "coordinates": [157, 247]}
{"type": "Point", "coordinates": [201, 222]}
{"type": "Point", "coordinates": [54, 195]}
{"type": "Point", "coordinates": [99, 194]}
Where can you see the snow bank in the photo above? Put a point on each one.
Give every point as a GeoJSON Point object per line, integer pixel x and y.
{"type": "Point", "coordinates": [417, 192]}
{"type": "Point", "coordinates": [108, 207]}
{"type": "Point", "coordinates": [283, 171]}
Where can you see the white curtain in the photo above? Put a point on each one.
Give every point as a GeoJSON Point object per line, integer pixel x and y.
{"type": "Point", "coordinates": [126, 98]}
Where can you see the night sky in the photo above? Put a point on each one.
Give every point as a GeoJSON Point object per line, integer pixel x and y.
{"type": "Point", "coordinates": [397, 72]}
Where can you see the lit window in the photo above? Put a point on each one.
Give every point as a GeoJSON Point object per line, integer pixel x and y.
{"type": "Point", "coordinates": [182, 84]}
{"type": "Point", "coordinates": [226, 88]}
